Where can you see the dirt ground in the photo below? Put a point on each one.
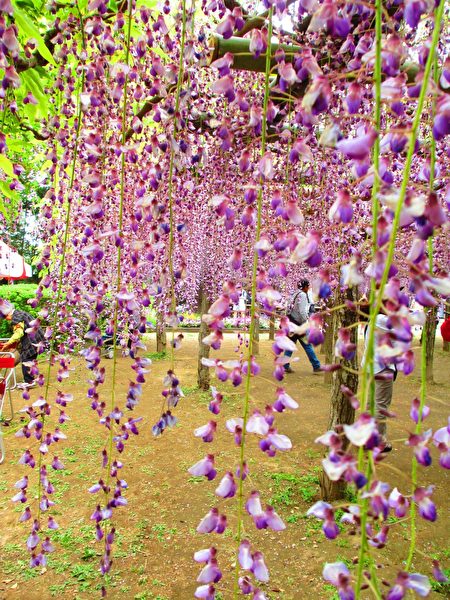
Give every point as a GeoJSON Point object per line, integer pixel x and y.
{"type": "Point", "coordinates": [156, 532]}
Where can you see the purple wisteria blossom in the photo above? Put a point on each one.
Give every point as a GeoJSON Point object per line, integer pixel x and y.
{"type": "Point", "coordinates": [441, 440]}
{"type": "Point", "coordinates": [325, 512]}
{"type": "Point", "coordinates": [409, 581]}
{"type": "Point", "coordinates": [339, 576]}
{"type": "Point", "coordinates": [427, 508]}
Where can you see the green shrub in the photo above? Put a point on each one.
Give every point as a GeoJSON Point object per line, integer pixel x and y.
{"type": "Point", "coordinates": [18, 294]}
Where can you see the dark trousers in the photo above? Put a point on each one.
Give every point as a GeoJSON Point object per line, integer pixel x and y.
{"type": "Point", "coordinates": [27, 376]}
{"type": "Point", "coordinates": [307, 347]}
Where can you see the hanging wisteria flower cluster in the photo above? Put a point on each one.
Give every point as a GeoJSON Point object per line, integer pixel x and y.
{"type": "Point", "coordinates": [196, 152]}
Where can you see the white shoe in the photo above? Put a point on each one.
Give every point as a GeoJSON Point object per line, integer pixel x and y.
{"type": "Point", "coordinates": [26, 386]}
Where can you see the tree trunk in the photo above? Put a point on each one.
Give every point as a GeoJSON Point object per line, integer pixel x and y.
{"type": "Point", "coordinates": [429, 337]}
{"type": "Point", "coordinates": [256, 337]}
{"type": "Point", "coordinates": [161, 337]}
{"type": "Point", "coordinates": [329, 343]}
{"type": "Point", "coordinates": [203, 378]}
{"type": "Point", "coordinates": [272, 327]}
{"type": "Point", "coordinates": [341, 411]}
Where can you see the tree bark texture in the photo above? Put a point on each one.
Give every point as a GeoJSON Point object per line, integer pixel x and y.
{"type": "Point", "coordinates": [203, 377]}
{"type": "Point", "coordinates": [341, 411]}
{"type": "Point", "coordinates": [272, 328]}
{"type": "Point", "coordinates": [329, 343]}
{"type": "Point", "coordinates": [429, 338]}
{"type": "Point", "coordinates": [161, 337]}
{"type": "Point", "coordinates": [256, 337]}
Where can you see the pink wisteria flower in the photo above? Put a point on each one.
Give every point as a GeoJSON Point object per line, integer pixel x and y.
{"type": "Point", "coordinates": [227, 486]}
{"type": "Point", "coordinates": [205, 467]}
{"type": "Point", "coordinates": [325, 512]}
{"type": "Point", "coordinates": [441, 440]}
{"type": "Point", "coordinates": [358, 148]}
{"type": "Point", "coordinates": [338, 575]}
{"type": "Point", "coordinates": [427, 508]}
{"type": "Point", "coordinates": [362, 430]}
{"type": "Point", "coordinates": [398, 502]}
{"type": "Point", "coordinates": [206, 432]}
{"type": "Point", "coordinates": [419, 443]}
{"type": "Point", "coordinates": [409, 581]}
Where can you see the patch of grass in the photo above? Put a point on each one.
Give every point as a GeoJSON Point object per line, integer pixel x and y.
{"type": "Point", "coordinates": [161, 530]}
{"type": "Point", "coordinates": [58, 588]}
{"type": "Point", "coordinates": [61, 490]}
{"type": "Point", "coordinates": [66, 538]}
{"type": "Point", "coordinates": [147, 470]}
{"type": "Point", "coordinates": [288, 486]}
{"type": "Point", "coordinates": [194, 479]}
{"type": "Point", "coordinates": [143, 524]}
{"type": "Point", "coordinates": [284, 487]}
{"type": "Point", "coordinates": [350, 494]}
{"type": "Point", "coordinates": [88, 553]}
{"type": "Point", "coordinates": [59, 565]}
{"type": "Point", "coordinates": [294, 518]}
{"type": "Point", "coordinates": [188, 389]}
{"type": "Point", "coordinates": [22, 569]}
{"type": "Point", "coordinates": [9, 548]}
{"type": "Point", "coordinates": [330, 588]}
{"type": "Point", "coordinates": [310, 453]}
{"type": "Point", "coordinates": [69, 455]}
{"type": "Point", "coordinates": [83, 572]}
{"type": "Point", "coordinates": [347, 561]}
{"type": "Point", "coordinates": [156, 355]}
{"type": "Point", "coordinates": [87, 532]}
{"type": "Point", "coordinates": [202, 397]}
{"type": "Point", "coordinates": [441, 555]}
{"type": "Point", "coordinates": [92, 446]}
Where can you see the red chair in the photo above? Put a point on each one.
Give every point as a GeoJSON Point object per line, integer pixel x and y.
{"type": "Point", "coordinates": [445, 330]}
{"type": "Point", "coordinates": [7, 383]}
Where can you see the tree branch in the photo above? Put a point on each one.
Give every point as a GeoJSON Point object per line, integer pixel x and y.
{"type": "Point", "coordinates": [37, 134]}
{"type": "Point", "coordinates": [258, 21]}
{"type": "Point", "coordinates": [146, 108]}
{"type": "Point", "coordinates": [37, 60]}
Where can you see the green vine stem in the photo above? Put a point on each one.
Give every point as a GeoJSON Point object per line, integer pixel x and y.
{"type": "Point", "coordinates": [368, 382]}
{"type": "Point", "coordinates": [423, 354]}
{"type": "Point", "coordinates": [240, 497]}
{"type": "Point", "coordinates": [170, 182]}
{"type": "Point", "coordinates": [378, 297]}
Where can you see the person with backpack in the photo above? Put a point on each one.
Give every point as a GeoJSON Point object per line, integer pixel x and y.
{"type": "Point", "coordinates": [299, 309]}
{"type": "Point", "coordinates": [25, 341]}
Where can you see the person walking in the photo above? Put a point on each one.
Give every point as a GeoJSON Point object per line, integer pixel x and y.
{"type": "Point", "coordinates": [298, 313]}
{"type": "Point", "coordinates": [25, 341]}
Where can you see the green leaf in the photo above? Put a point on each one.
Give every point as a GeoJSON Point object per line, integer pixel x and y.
{"type": "Point", "coordinates": [11, 194]}
{"type": "Point", "coordinates": [6, 165]}
{"type": "Point", "coordinates": [147, 3]}
{"type": "Point", "coordinates": [30, 110]}
{"type": "Point", "coordinates": [33, 83]}
{"type": "Point", "coordinates": [29, 30]}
